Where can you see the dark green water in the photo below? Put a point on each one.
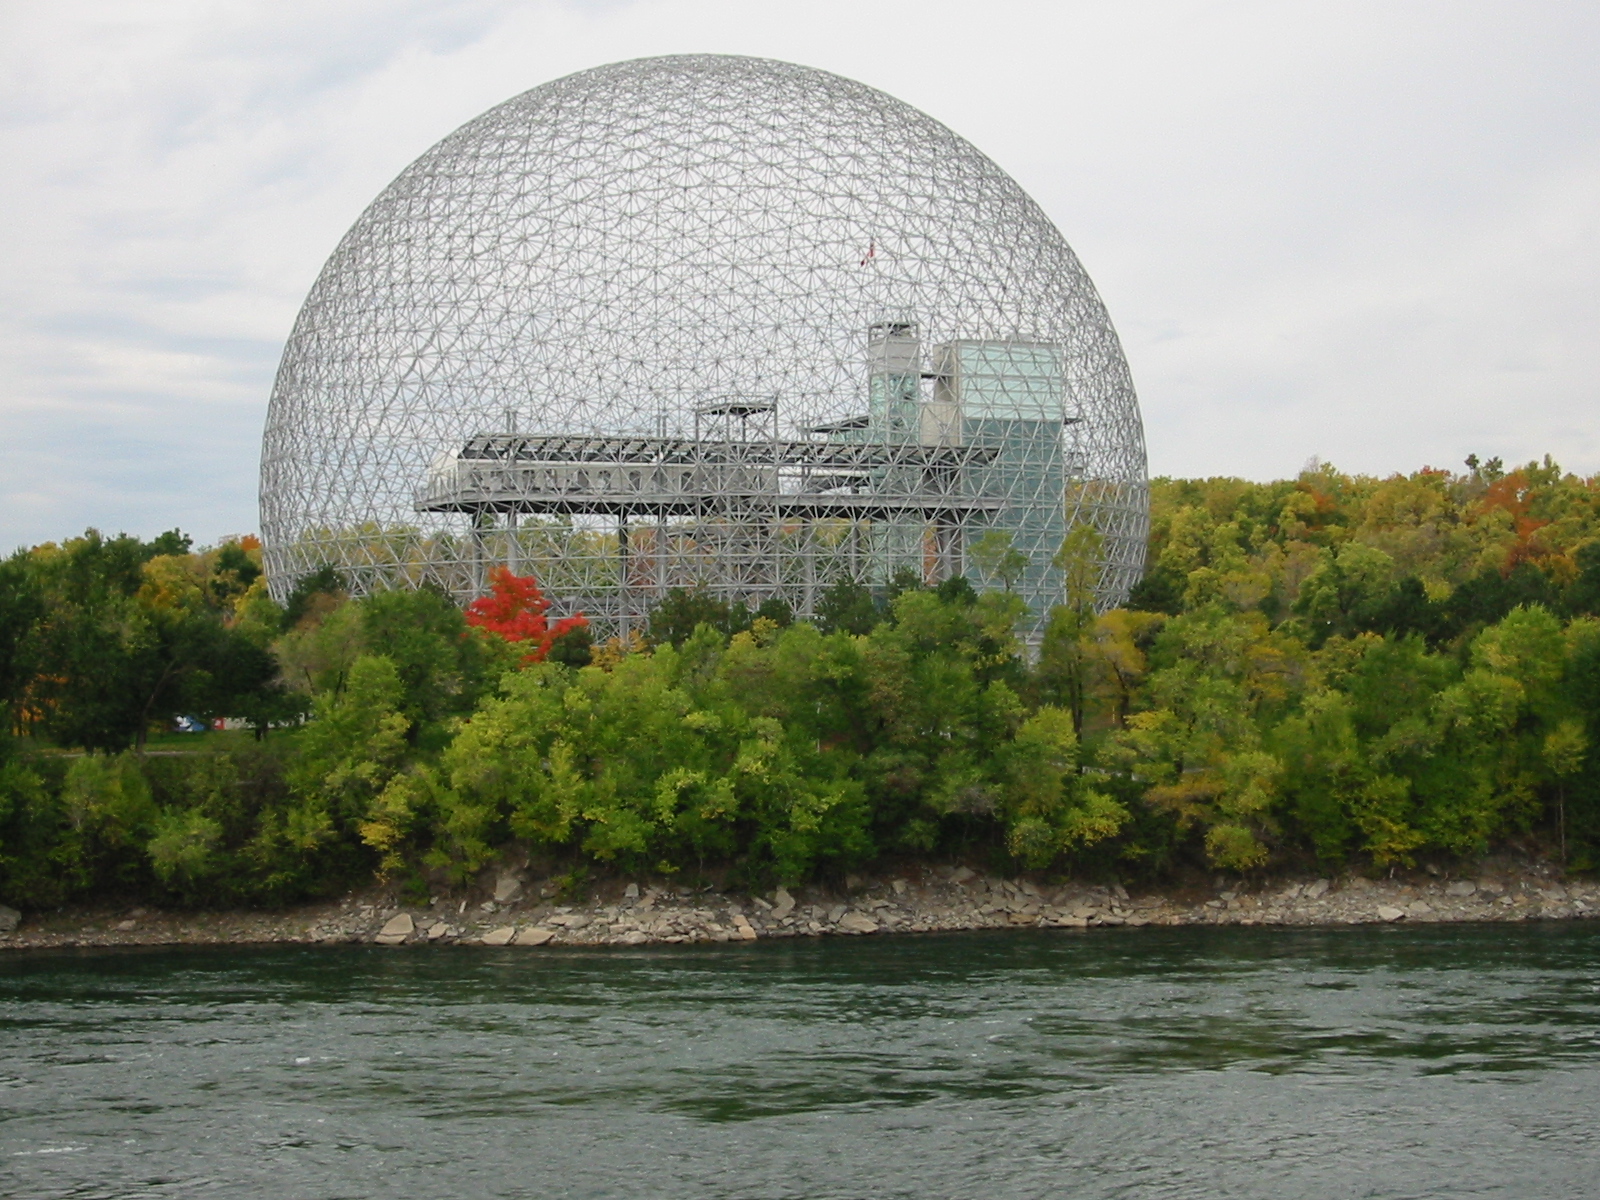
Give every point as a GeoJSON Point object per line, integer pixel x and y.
{"type": "Point", "coordinates": [1395, 1062]}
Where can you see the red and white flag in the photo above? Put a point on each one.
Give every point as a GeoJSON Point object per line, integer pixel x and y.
{"type": "Point", "coordinates": [872, 252]}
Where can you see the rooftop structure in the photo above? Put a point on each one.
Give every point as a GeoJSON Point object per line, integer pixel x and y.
{"type": "Point", "coordinates": [700, 321]}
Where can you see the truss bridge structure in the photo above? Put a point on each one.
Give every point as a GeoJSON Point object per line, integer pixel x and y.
{"type": "Point", "coordinates": [747, 517]}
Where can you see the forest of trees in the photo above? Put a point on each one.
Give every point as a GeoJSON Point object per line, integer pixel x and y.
{"type": "Point", "coordinates": [1323, 673]}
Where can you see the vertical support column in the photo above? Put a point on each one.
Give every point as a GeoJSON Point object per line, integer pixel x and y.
{"type": "Point", "coordinates": [808, 532]}
{"type": "Point", "coordinates": [480, 522]}
{"type": "Point", "coordinates": [513, 551]}
{"type": "Point", "coordinates": [661, 555]}
{"type": "Point", "coordinates": [624, 603]}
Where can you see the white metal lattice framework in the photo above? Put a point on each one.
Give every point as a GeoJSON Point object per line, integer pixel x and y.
{"type": "Point", "coordinates": [700, 321]}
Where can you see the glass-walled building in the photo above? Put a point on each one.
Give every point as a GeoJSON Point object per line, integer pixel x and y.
{"type": "Point", "coordinates": [1005, 397]}
{"type": "Point", "coordinates": [1011, 396]}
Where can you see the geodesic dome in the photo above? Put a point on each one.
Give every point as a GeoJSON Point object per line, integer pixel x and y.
{"type": "Point", "coordinates": [701, 321]}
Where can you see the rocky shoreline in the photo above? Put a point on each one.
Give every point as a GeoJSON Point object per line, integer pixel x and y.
{"type": "Point", "coordinates": [513, 911]}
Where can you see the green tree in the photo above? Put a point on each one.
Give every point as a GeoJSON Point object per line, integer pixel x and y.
{"type": "Point", "coordinates": [1346, 590]}
{"type": "Point", "coordinates": [681, 612]}
{"type": "Point", "coordinates": [998, 557]}
{"type": "Point", "coordinates": [1048, 807]}
{"type": "Point", "coordinates": [353, 748]}
{"type": "Point", "coordinates": [847, 606]}
{"type": "Point", "coordinates": [443, 667]}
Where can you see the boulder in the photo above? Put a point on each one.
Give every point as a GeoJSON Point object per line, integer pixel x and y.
{"type": "Point", "coordinates": [1461, 887]}
{"type": "Point", "coordinates": [631, 892]}
{"type": "Point", "coordinates": [783, 903]}
{"type": "Point", "coordinates": [396, 930]}
{"type": "Point", "coordinates": [857, 922]}
{"type": "Point", "coordinates": [500, 937]}
{"type": "Point", "coordinates": [534, 935]}
{"type": "Point", "coordinates": [507, 888]}
{"type": "Point", "coordinates": [1388, 913]}
{"type": "Point", "coordinates": [9, 918]}
{"type": "Point", "coordinates": [961, 874]}
{"type": "Point", "coordinates": [1313, 890]}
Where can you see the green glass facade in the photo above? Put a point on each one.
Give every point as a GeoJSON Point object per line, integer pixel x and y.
{"type": "Point", "coordinates": [1010, 395]}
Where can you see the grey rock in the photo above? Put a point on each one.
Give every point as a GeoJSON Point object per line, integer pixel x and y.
{"type": "Point", "coordinates": [784, 903]}
{"type": "Point", "coordinates": [9, 918]}
{"type": "Point", "coordinates": [631, 891]}
{"type": "Point", "coordinates": [499, 937]}
{"type": "Point", "coordinates": [1314, 890]}
{"type": "Point", "coordinates": [857, 922]}
{"type": "Point", "coordinates": [1389, 913]}
{"type": "Point", "coordinates": [399, 927]}
{"type": "Point", "coordinates": [536, 936]}
{"type": "Point", "coordinates": [961, 874]}
{"type": "Point", "coordinates": [1460, 887]}
{"type": "Point", "coordinates": [507, 888]}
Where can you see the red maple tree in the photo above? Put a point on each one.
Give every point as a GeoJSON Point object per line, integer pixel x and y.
{"type": "Point", "coordinates": [1515, 494]}
{"type": "Point", "coordinates": [515, 610]}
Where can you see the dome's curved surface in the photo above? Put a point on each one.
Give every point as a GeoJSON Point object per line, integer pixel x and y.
{"type": "Point", "coordinates": [695, 248]}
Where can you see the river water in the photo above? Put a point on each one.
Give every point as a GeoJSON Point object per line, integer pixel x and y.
{"type": "Point", "coordinates": [1448, 1061]}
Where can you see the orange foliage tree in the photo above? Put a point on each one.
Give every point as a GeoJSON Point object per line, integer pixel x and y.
{"type": "Point", "coordinates": [515, 610]}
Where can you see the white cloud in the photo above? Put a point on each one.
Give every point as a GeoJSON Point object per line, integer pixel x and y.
{"type": "Point", "coordinates": [1359, 230]}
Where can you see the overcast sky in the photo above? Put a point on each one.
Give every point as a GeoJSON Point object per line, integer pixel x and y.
{"type": "Point", "coordinates": [1368, 232]}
